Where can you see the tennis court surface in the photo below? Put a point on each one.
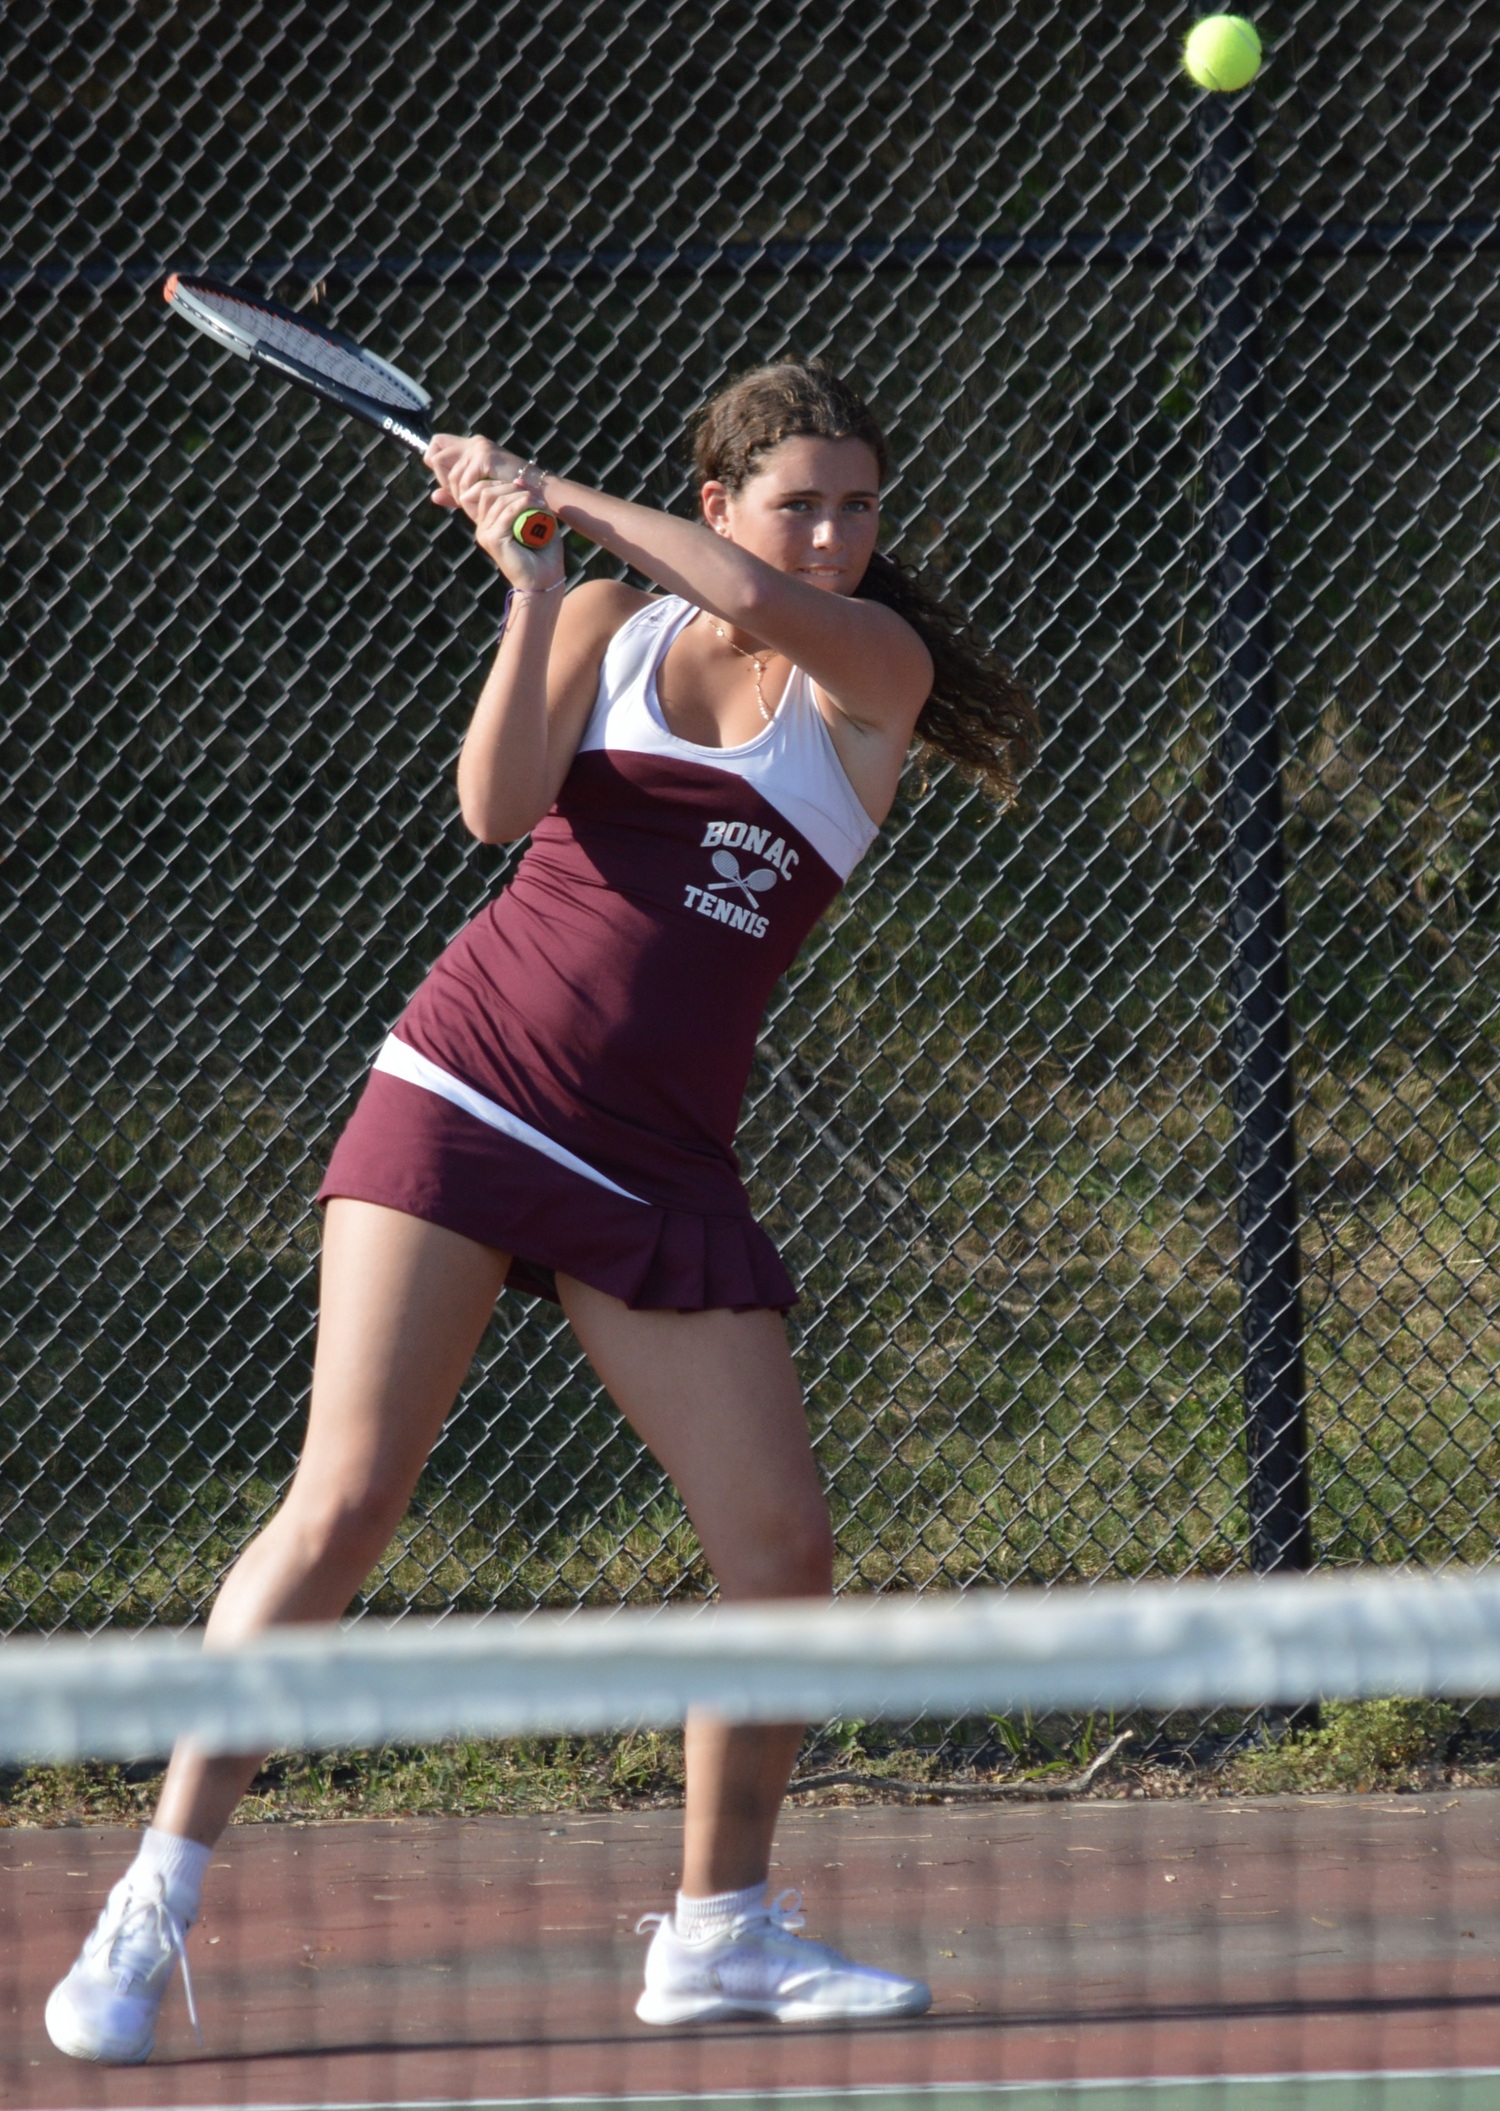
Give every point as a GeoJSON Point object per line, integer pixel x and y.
{"type": "Point", "coordinates": [1259, 1953]}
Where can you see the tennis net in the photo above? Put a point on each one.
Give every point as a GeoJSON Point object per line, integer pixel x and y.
{"type": "Point", "coordinates": [1107, 1826]}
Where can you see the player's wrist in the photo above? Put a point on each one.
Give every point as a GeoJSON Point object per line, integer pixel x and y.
{"type": "Point", "coordinates": [521, 598]}
{"type": "Point", "coordinates": [555, 488]}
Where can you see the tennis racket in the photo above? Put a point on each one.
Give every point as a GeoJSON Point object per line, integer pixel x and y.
{"type": "Point", "coordinates": [327, 365]}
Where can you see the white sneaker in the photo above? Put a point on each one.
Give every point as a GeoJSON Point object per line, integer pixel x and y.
{"type": "Point", "coordinates": [106, 2008]}
{"type": "Point", "coordinates": [760, 1966]}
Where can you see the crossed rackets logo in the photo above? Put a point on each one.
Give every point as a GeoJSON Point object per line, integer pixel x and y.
{"type": "Point", "coordinates": [750, 884]}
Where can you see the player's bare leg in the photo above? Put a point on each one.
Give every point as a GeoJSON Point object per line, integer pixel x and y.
{"type": "Point", "coordinates": [715, 1396]}
{"type": "Point", "coordinates": [403, 1305]}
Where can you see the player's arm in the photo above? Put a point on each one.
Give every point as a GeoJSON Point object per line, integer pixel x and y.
{"type": "Point", "coordinates": [863, 656]}
{"type": "Point", "coordinates": [541, 686]}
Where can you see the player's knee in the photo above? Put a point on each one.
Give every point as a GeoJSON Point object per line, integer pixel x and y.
{"type": "Point", "coordinates": [812, 1556]}
{"type": "Point", "coordinates": [345, 1529]}
{"type": "Point", "coordinates": [792, 1557]}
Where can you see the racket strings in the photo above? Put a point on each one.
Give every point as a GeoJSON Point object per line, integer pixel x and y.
{"type": "Point", "coordinates": [344, 364]}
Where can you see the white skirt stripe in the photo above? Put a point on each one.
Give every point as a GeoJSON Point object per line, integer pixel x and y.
{"type": "Point", "coordinates": [397, 1059]}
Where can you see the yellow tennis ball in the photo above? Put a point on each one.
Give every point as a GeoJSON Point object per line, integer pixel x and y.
{"type": "Point", "coordinates": [1222, 52]}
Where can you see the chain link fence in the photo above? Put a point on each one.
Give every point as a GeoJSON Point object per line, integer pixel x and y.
{"type": "Point", "coordinates": [988, 1122]}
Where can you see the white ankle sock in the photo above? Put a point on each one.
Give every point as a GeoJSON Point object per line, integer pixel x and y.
{"type": "Point", "coordinates": [179, 1863]}
{"type": "Point", "coordinates": [695, 1918]}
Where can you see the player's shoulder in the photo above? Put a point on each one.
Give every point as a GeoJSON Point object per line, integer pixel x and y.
{"type": "Point", "coordinates": [598, 607]}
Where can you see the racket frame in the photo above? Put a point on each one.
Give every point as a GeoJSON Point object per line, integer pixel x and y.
{"type": "Point", "coordinates": [533, 529]}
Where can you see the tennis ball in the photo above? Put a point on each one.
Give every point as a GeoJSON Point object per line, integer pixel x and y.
{"type": "Point", "coordinates": [1222, 52]}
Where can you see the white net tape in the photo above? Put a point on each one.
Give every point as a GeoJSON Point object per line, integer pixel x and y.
{"type": "Point", "coordinates": [1245, 1643]}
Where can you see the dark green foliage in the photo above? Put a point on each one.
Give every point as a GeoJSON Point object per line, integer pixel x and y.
{"type": "Point", "coordinates": [1387, 1744]}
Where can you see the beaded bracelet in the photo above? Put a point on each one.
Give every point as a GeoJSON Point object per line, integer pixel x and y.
{"type": "Point", "coordinates": [527, 593]}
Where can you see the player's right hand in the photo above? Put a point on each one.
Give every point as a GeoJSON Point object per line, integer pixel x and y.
{"type": "Point", "coordinates": [495, 507]}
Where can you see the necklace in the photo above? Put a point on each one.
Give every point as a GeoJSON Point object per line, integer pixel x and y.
{"type": "Point", "coordinates": [760, 661]}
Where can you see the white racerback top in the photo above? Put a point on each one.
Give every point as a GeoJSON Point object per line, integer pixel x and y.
{"type": "Point", "coordinates": [792, 763]}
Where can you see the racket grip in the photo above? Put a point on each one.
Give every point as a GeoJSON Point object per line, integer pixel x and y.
{"type": "Point", "coordinates": [535, 528]}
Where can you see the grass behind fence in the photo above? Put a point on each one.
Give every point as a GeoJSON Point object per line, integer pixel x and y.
{"type": "Point", "coordinates": [990, 1122]}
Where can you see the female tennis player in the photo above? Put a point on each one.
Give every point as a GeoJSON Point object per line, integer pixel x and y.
{"type": "Point", "coordinates": [699, 770]}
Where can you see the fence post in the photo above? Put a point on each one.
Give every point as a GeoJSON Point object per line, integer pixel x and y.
{"type": "Point", "coordinates": [1250, 811]}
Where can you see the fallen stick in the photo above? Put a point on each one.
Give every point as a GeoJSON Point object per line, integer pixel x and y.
{"type": "Point", "coordinates": [983, 1791]}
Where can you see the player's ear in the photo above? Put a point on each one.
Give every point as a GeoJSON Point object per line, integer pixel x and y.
{"type": "Point", "coordinates": [714, 501]}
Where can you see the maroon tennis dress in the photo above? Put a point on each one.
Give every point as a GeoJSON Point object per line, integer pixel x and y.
{"type": "Point", "coordinates": [566, 1083]}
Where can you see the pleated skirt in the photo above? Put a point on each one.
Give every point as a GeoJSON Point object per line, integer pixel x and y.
{"type": "Point", "coordinates": [409, 1149]}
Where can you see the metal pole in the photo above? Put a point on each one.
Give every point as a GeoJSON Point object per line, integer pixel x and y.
{"type": "Point", "coordinates": [1250, 811]}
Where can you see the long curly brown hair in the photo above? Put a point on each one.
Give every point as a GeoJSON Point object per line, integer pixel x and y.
{"type": "Point", "coordinates": [980, 713]}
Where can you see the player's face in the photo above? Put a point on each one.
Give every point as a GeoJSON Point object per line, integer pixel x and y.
{"type": "Point", "coordinates": [811, 509]}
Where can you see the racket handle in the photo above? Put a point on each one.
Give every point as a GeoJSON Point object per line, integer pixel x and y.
{"type": "Point", "coordinates": [535, 528]}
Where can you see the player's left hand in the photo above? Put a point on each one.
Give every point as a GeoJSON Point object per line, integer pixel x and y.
{"type": "Point", "coordinates": [461, 466]}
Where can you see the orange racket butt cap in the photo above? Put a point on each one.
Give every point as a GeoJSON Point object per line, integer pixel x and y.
{"type": "Point", "coordinates": [536, 529]}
